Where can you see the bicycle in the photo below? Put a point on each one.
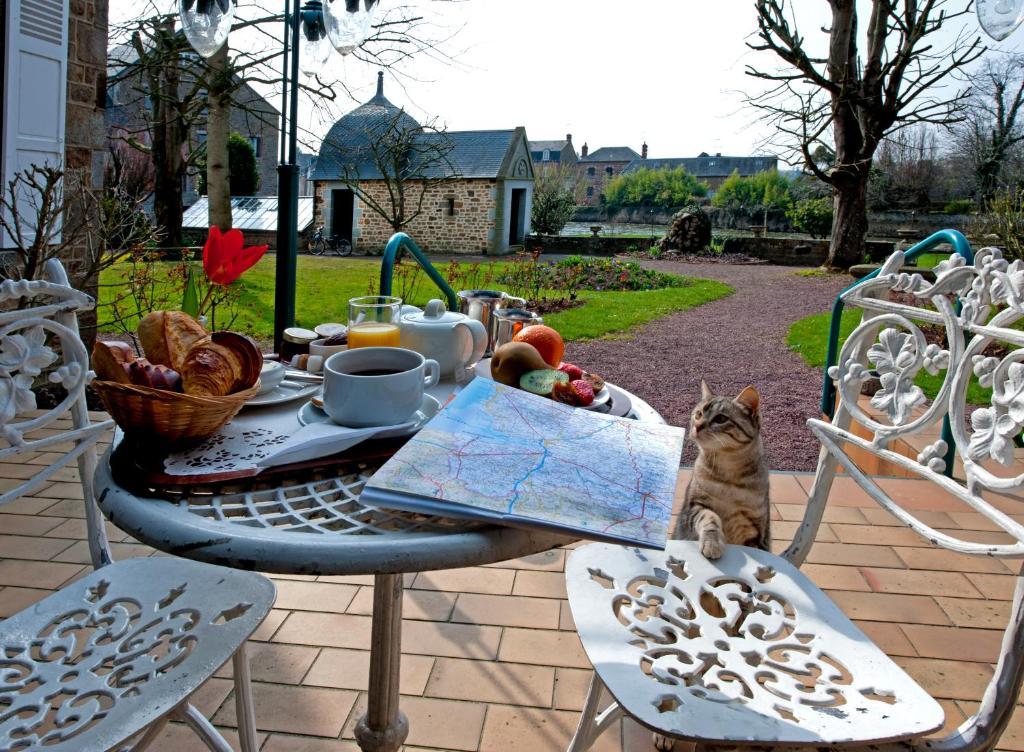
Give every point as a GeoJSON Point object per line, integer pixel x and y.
{"type": "Point", "coordinates": [333, 245]}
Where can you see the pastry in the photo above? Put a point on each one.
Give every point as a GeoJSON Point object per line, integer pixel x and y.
{"type": "Point", "coordinates": [167, 337]}
{"type": "Point", "coordinates": [219, 364]}
{"type": "Point", "coordinates": [109, 360]}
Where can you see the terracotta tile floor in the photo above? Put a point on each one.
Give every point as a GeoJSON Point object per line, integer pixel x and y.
{"type": "Point", "coordinates": [492, 661]}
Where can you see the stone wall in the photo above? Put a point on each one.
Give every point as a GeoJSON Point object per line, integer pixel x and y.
{"type": "Point", "coordinates": [85, 136]}
{"type": "Point", "coordinates": [587, 245]}
{"type": "Point", "coordinates": [458, 217]}
{"type": "Point", "coordinates": [594, 185]}
{"type": "Point", "coordinates": [796, 251]}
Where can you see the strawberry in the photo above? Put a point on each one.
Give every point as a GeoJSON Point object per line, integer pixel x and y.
{"type": "Point", "coordinates": [577, 393]}
{"type": "Point", "coordinates": [574, 371]}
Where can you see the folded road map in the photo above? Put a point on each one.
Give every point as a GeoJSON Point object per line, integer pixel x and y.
{"type": "Point", "coordinates": [501, 454]}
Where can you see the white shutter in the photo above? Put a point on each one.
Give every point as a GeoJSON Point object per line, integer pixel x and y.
{"type": "Point", "coordinates": [35, 87]}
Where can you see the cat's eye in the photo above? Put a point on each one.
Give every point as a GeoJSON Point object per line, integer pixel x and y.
{"type": "Point", "coordinates": [718, 419]}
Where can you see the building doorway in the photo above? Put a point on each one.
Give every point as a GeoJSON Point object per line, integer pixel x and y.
{"type": "Point", "coordinates": [517, 217]}
{"type": "Point", "coordinates": [342, 212]}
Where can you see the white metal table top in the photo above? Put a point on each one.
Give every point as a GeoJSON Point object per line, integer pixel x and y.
{"type": "Point", "coordinates": [316, 527]}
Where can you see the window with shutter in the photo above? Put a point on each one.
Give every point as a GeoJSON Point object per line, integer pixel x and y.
{"type": "Point", "coordinates": [35, 90]}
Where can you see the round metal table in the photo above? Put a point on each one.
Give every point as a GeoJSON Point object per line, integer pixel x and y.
{"type": "Point", "coordinates": [321, 528]}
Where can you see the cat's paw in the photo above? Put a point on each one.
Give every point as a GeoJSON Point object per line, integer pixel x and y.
{"type": "Point", "coordinates": [663, 743]}
{"type": "Point", "coordinates": [712, 547]}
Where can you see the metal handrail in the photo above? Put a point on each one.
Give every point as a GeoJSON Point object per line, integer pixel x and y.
{"type": "Point", "coordinates": [828, 388]}
{"type": "Point", "coordinates": [400, 241]}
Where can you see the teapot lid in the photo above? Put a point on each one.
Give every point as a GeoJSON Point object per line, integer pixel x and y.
{"type": "Point", "coordinates": [434, 313]}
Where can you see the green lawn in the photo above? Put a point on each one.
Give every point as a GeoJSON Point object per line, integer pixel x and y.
{"type": "Point", "coordinates": [809, 338]}
{"type": "Point", "coordinates": [326, 284]}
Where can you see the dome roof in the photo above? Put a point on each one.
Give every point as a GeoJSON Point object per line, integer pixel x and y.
{"type": "Point", "coordinates": [345, 149]}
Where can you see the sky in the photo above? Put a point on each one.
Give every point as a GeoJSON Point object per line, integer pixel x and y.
{"type": "Point", "coordinates": [610, 72]}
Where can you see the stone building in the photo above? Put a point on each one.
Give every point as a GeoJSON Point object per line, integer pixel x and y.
{"type": "Point", "coordinates": [553, 153]}
{"type": "Point", "coordinates": [53, 94]}
{"type": "Point", "coordinates": [712, 169]}
{"type": "Point", "coordinates": [476, 199]}
{"type": "Point", "coordinates": [598, 169]}
{"type": "Point", "coordinates": [252, 116]}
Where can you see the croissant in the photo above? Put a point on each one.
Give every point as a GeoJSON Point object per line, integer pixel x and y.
{"type": "Point", "coordinates": [221, 363]}
{"type": "Point", "coordinates": [109, 359]}
{"type": "Point", "coordinates": [167, 336]}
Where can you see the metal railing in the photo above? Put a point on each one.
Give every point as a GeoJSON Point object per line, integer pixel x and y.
{"type": "Point", "coordinates": [399, 242]}
{"type": "Point", "coordinates": [828, 388]}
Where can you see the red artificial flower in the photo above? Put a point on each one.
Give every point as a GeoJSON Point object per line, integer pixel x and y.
{"type": "Point", "coordinates": [224, 258]}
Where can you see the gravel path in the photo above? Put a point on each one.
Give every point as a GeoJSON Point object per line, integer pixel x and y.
{"type": "Point", "coordinates": [731, 342]}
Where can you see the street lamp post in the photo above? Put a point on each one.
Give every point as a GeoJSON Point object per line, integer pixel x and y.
{"type": "Point", "coordinates": [343, 24]}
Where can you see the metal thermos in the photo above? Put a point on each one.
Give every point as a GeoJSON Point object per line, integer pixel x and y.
{"type": "Point", "coordinates": [508, 322]}
{"type": "Point", "coordinates": [481, 305]}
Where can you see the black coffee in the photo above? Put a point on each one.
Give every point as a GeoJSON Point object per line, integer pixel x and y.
{"type": "Point", "coordinates": [376, 372]}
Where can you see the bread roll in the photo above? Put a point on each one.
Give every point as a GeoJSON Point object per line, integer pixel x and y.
{"type": "Point", "coordinates": [221, 363]}
{"type": "Point", "coordinates": [143, 373]}
{"type": "Point", "coordinates": [109, 359]}
{"type": "Point", "coordinates": [167, 336]}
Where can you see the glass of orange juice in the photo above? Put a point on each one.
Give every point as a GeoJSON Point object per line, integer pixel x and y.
{"type": "Point", "coordinates": [373, 321]}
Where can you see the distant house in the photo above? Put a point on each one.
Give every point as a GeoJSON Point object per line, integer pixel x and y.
{"type": "Point", "coordinates": [252, 116]}
{"type": "Point", "coordinates": [712, 169]}
{"type": "Point", "coordinates": [553, 153]}
{"type": "Point", "coordinates": [598, 169]}
{"type": "Point", "coordinates": [483, 208]}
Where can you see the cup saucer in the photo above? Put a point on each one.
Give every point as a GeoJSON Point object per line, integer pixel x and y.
{"type": "Point", "coordinates": [429, 407]}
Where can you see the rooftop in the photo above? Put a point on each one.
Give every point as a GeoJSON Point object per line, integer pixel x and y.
{"type": "Point", "coordinates": [611, 154]}
{"type": "Point", "coordinates": [492, 661]}
{"type": "Point", "coordinates": [247, 213]}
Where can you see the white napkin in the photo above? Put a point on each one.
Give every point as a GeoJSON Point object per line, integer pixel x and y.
{"type": "Point", "coordinates": [322, 440]}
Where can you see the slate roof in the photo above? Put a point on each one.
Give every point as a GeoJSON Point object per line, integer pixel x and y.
{"type": "Point", "coordinates": [611, 154]}
{"type": "Point", "coordinates": [707, 166]}
{"type": "Point", "coordinates": [549, 145]}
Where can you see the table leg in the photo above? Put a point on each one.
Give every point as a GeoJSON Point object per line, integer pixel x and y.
{"type": "Point", "coordinates": [384, 727]}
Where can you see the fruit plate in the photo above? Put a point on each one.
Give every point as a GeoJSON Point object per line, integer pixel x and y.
{"type": "Point", "coordinates": [483, 370]}
{"type": "Point", "coordinates": [429, 407]}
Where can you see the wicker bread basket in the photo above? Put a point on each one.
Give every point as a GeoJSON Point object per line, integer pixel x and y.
{"type": "Point", "coordinates": [172, 416]}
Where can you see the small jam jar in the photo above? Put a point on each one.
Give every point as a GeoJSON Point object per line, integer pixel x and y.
{"type": "Point", "coordinates": [295, 341]}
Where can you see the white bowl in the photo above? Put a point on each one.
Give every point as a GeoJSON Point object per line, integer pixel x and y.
{"type": "Point", "coordinates": [271, 376]}
{"type": "Point", "coordinates": [317, 347]}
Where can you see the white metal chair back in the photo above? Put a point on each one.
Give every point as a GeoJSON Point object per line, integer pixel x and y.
{"type": "Point", "coordinates": [971, 307]}
{"type": "Point", "coordinates": [39, 339]}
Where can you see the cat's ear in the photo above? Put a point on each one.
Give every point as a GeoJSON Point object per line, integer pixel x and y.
{"type": "Point", "coordinates": [750, 399]}
{"type": "Point", "coordinates": [705, 390]}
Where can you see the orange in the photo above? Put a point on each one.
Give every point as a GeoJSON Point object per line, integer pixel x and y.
{"type": "Point", "coordinates": [546, 340]}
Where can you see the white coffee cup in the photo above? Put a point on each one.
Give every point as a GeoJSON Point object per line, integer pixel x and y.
{"type": "Point", "coordinates": [376, 386]}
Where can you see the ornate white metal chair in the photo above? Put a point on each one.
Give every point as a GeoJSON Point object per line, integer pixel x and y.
{"type": "Point", "coordinates": [746, 650]}
{"type": "Point", "coordinates": [116, 654]}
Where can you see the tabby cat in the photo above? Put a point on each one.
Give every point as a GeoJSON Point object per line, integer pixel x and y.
{"type": "Point", "coordinates": [726, 500]}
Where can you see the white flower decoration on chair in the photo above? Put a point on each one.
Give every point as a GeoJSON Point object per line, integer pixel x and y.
{"type": "Point", "coordinates": [16, 397]}
{"type": "Point", "coordinates": [25, 353]}
{"type": "Point", "coordinates": [896, 359]}
{"type": "Point", "coordinates": [933, 456]}
{"type": "Point", "coordinates": [935, 359]}
{"type": "Point", "coordinates": [996, 427]}
{"type": "Point", "coordinates": [984, 368]}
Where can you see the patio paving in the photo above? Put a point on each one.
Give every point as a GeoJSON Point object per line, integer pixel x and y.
{"type": "Point", "coordinates": [492, 661]}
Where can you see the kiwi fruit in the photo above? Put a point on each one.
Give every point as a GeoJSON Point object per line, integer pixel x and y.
{"type": "Point", "coordinates": [542, 381]}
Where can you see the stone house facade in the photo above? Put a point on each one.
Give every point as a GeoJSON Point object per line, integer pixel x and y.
{"type": "Point", "coordinates": [599, 168]}
{"type": "Point", "coordinates": [252, 116]}
{"type": "Point", "coordinates": [547, 154]}
{"type": "Point", "coordinates": [477, 199]}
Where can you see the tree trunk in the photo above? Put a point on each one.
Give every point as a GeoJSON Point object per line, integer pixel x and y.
{"type": "Point", "coordinates": [168, 138]}
{"type": "Point", "coordinates": [218, 127]}
{"type": "Point", "coordinates": [849, 223]}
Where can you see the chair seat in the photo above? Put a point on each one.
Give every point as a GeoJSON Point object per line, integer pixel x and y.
{"type": "Point", "coordinates": [743, 649]}
{"type": "Point", "coordinates": [99, 660]}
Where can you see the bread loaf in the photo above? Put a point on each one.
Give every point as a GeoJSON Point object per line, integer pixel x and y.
{"type": "Point", "coordinates": [167, 336]}
{"type": "Point", "coordinates": [219, 364]}
{"type": "Point", "coordinates": [109, 360]}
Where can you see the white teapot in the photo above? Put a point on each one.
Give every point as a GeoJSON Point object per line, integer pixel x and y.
{"type": "Point", "coordinates": [454, 340]}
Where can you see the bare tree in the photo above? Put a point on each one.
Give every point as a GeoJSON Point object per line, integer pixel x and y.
{"type": "Point", "coordinates": [859, 89]}
{"type": "Point", "coordinates": [990, 136]}
{"type": "Point", "coordinates": [397, 166]}
{"type": "Point", "coordinates": [906, 173]}
{"type": "Point", "coordinates": [180, 90]}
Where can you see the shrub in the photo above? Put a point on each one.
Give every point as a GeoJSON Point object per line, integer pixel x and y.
{"type": "Point", "coordinates": [656, 189]}
{"type": "Point", "coordinates": [757, 194]}
{"type": "Point", "coordinates": [554, 200]}
{"type": "Point", "coordinates": [242, 169]}
{"type": "Point", "coordinates": [812, 215]}
{"type": "Point", "coordinates": [1005, 218]}
{"type": "Point", "coordinates": [959, 206]}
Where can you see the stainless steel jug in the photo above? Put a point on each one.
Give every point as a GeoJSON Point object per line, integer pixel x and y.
{"type": "Point", "coordinates": [508, 322]}
{"type": "Point", "coordinates": [481, 305]}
